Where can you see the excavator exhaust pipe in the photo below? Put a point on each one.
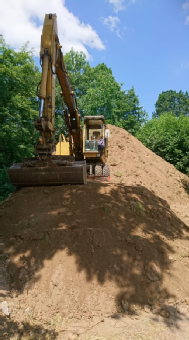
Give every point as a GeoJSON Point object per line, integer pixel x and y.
{"type": "Point", "coordinates": [54, 171]}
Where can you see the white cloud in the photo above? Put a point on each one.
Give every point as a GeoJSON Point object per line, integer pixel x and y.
{"type": "Point", "coordinates": [118, 5]}
{"type": "Point", "coordinates": [182, 67]}
{"type": "Point", "coordinates": [185, 6]}
{"type": "Point", "coordinates": [19, 20]}
{"type": "Point", "coordinates": [112, 24]}
{"type": "Point", "coordinates": [187, 20]}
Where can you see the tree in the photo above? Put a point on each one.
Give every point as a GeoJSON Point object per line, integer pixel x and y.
{"type": "Point", "coordinates": [134, 116]}
{"type": "Point", "coordinates": [78, 69]}
{"type": "Point", "coordinates": [19, 105]}
{"type": "Point", "coordinates": [79, 72]}
{"type": "Point", "coordinates": [172, 101]}
{"type": "Point", "coordinates": [98, 93]}
{"type": "Point", "coordinates": [168, 137]}
{"type": "Point", "coordinates": [104, 95]}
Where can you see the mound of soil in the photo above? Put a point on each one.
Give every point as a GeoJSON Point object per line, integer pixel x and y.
{"type": "Point", "coordinates": [82, 256]}
{"type": "Point", "coordinates": [133, 164]}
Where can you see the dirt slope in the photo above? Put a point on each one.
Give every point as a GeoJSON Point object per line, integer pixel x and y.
{"type": "Point", "coordinates": [84, 258]}
{"type": "Point", "coordinates": [138, 165]}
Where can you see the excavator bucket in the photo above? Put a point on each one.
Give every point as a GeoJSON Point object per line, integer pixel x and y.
{"type": "Point", "coordinates": [55, 171]}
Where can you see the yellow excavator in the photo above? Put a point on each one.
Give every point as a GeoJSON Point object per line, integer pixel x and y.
{"type": "Point", "coordinates": [86, 152]}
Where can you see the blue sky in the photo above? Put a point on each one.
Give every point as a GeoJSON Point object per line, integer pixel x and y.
{"type": "Point", "coordinates": [144, 42]}
{"type": "Point", "coordinates": [152, 53]}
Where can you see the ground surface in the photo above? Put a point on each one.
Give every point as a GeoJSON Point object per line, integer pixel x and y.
{"type": "Point", "coordinates": [101, 261]}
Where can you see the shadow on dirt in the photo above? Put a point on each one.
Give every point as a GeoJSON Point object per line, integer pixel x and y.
{"type": "Point", "coordinates": [25, 330]}
{"type": "Point", "coordinates": [119, 234]}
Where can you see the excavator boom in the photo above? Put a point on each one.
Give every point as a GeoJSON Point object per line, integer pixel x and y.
{"type": "Point", "coordinates": [47, 168]}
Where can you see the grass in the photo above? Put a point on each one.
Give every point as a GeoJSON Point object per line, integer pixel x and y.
{"type": "Point", "coordinates": [56, 321]}
{"type": "Point", "coordinates": [137, 206]}
{"type": "Point", "coordinates": [117, 174]}
{"type": "Point", "coordinates": [182, 256]}
{"type": "Point", "coordinates": [47, 239]}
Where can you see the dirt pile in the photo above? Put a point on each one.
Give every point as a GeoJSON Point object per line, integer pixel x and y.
{"type": "Point", "coordinates": [80, 256]}
{"type": "Point", "coordinates": [133, 164]}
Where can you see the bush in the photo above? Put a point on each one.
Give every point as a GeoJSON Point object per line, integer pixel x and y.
{"type": "Point", "coordinates": [168, 137]}
{"type": "Point", "coordinates": [6, 188]}
{"type": "Point", "coordinates": [19, 107]}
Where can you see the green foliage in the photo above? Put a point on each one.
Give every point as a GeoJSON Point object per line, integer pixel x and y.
{"type": "Point", "coordinates": [19, 105]}
{"type": "Point", "coordinates": [168, 137]}
{"type": "Point", "coordinates": [6, 188]}
{"type": "Point", "coordinates": [60, 125]}
{"type": "Point", "coordinates": [78, 69]}
{"type": "Point", "coordinates": [134, 115]}
{"type": "Point", "coordinates": [79, 72]}
{"type": "Point", "coordinates": [172, 101]}
{"type": "Point", "coordinates": [98, 93]}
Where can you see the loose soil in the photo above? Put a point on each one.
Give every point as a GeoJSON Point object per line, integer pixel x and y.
{"type": "Point", "coordinates": [101, 261]}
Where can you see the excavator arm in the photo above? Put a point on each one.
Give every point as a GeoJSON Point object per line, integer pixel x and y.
{"type": "Point", "coordinates": [53, 64]}
{"type": "Point", "coordinates": [47, 168]}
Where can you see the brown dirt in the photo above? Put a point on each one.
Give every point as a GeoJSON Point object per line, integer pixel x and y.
{"type": "Point", "coordinates": [102, 261]}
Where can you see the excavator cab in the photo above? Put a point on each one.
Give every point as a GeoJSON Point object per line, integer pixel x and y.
{"type": "Point", "coordinates": [95, 147]}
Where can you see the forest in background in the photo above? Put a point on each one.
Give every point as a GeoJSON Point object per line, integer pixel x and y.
{"type": "Point", "coordinates": [97, 93]}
